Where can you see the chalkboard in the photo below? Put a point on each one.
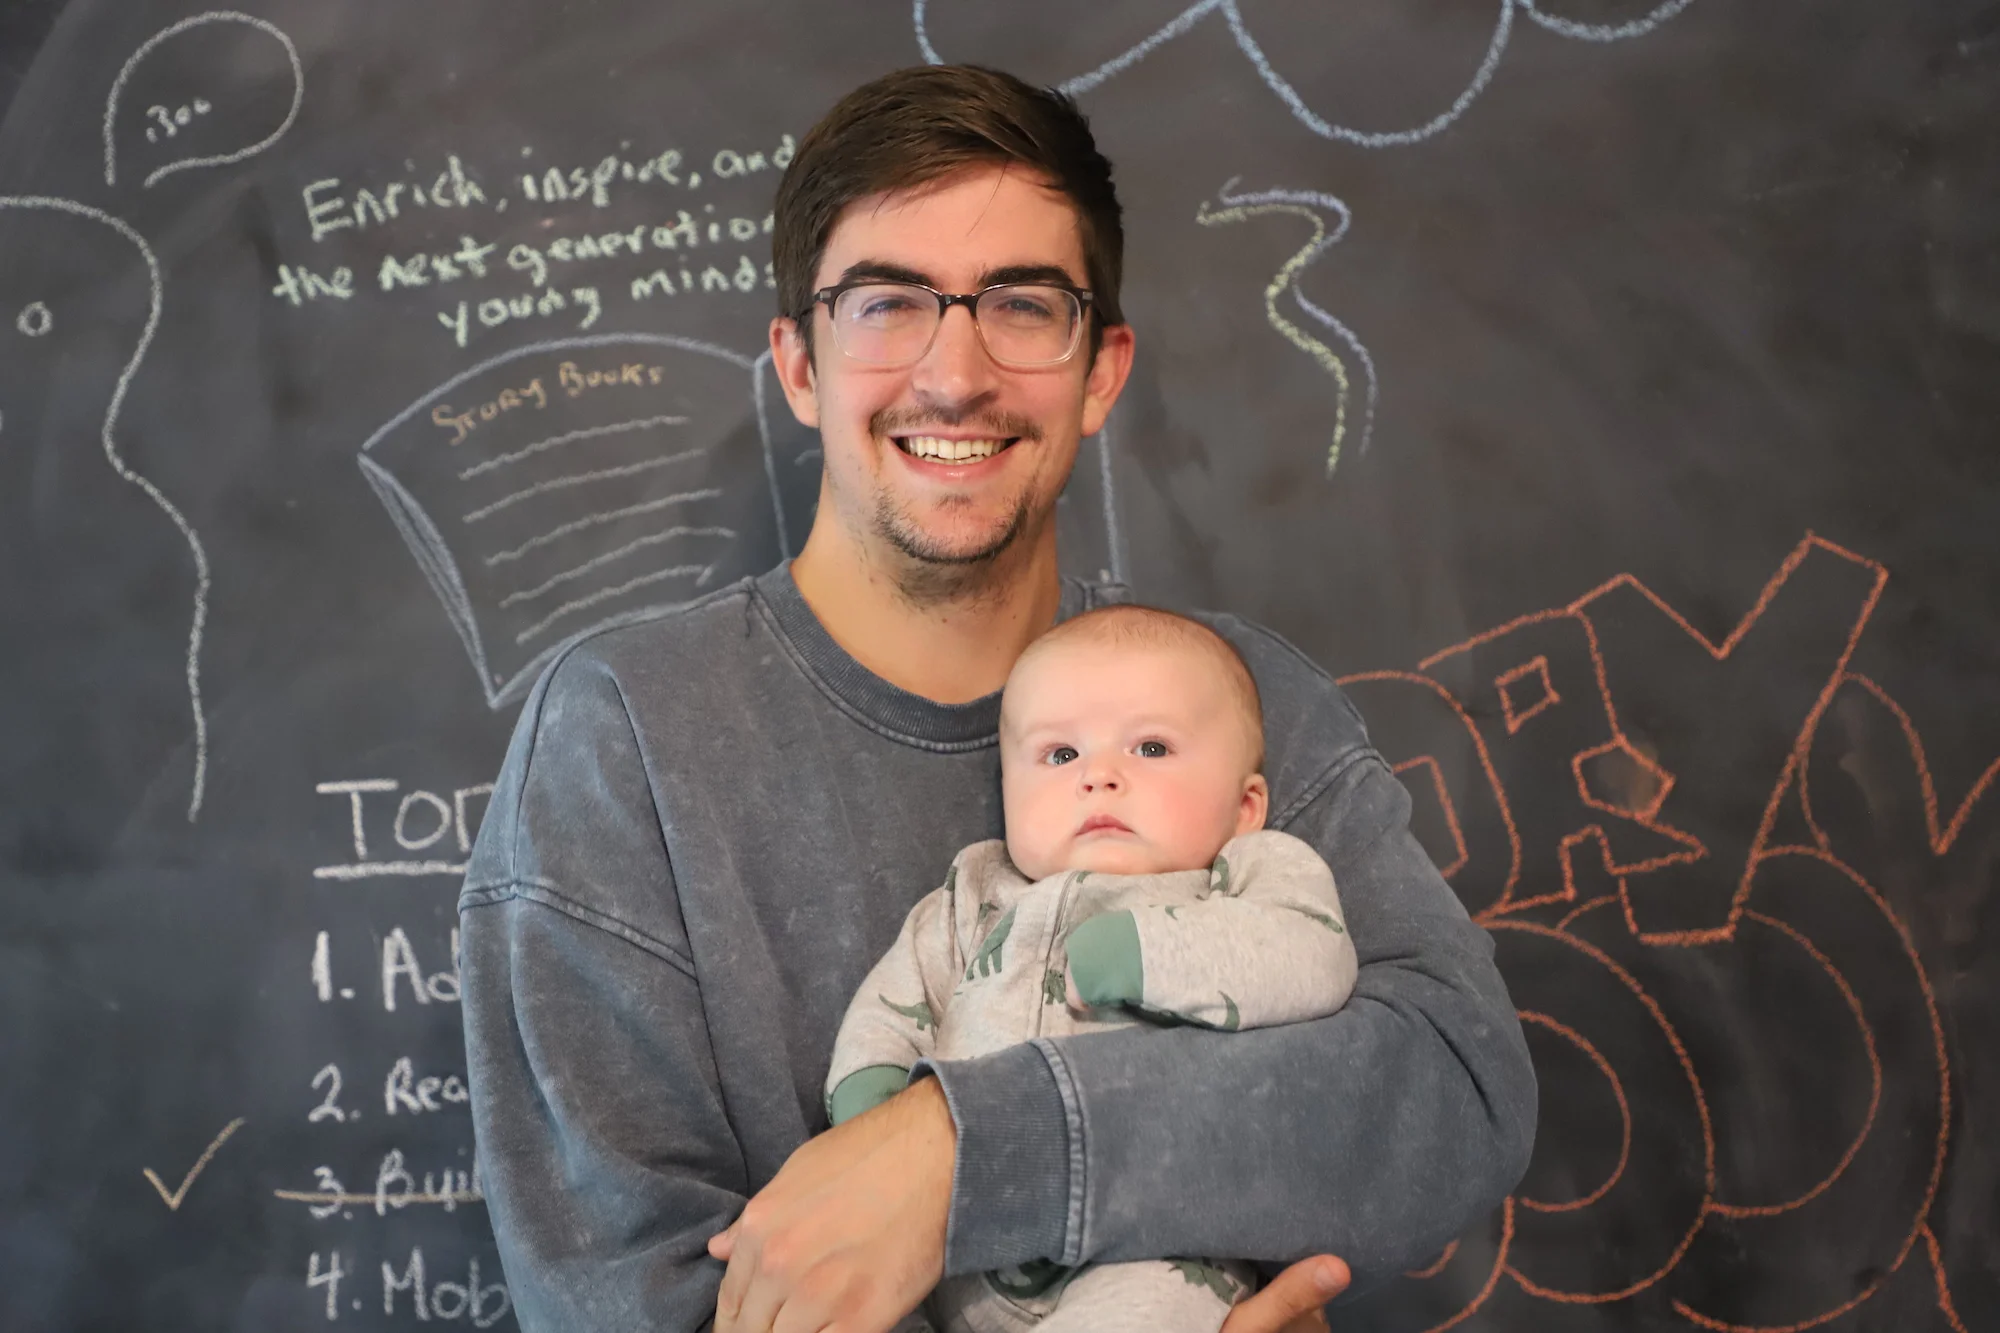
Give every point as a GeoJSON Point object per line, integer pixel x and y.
{"type": "Point", "coordinates": [1604, 389]}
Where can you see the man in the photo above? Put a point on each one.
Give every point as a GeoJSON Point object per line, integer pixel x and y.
{"type": "Point", "coordinates": [711, 824]}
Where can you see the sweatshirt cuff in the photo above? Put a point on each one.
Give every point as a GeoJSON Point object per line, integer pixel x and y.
{"type": "Point", "coordinates": [864, 1090]}
{"type": "Point", "coordinates": [1012, 1187]}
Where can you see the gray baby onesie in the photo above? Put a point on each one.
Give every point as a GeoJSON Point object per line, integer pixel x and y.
{"type": "Point", "coordinates": [1254, 940]}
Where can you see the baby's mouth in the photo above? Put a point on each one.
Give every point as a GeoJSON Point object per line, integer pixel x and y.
{"type": "Point", "coordinates": [1102, 824]}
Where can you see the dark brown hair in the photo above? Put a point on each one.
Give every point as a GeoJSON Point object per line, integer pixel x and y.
{"type": "Point", "coordinates": [919, 125]}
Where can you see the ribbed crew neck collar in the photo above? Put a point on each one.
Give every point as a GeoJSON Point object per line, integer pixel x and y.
{"type": "Point", "coordinates": [958, 726]}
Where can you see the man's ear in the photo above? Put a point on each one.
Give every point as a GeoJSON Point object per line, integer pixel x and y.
{"type": "Point", "coordinates": [792, 361]}
{"type": "Point", "coordinates": [1255, 806]}
{"type": "Point", "coordinates": [1108, 372]}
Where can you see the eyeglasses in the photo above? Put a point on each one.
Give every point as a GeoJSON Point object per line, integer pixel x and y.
{"type": "Point", "coordinates": [1020, 324]}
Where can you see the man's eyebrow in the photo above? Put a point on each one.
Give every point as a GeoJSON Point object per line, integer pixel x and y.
{"type": "Point", "coordinates": [877, 270]}
{"type": "Point", "coordinates": [881, 270]}
{"type": "Point", "coordinates": [1010, 273]}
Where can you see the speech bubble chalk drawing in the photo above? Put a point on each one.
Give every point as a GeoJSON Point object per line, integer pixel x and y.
{"type": "Point", "coordinates": [217, 159]}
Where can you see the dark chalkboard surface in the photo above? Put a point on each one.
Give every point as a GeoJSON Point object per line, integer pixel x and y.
{"type": "Point", "coordinates": [1605, 388]}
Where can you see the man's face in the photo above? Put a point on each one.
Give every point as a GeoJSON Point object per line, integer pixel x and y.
{"type": "Point", "coordinates": [943, 523]}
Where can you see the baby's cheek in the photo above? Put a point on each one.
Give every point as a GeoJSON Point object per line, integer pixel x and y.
{"type": "Point", "coordinates": [1196, 821]}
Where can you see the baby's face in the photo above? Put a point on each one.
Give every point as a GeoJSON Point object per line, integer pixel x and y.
{"type": "Point", "coordinates": [1122, 759]}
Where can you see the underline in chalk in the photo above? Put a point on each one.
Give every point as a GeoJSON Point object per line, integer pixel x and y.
{"type": "Point", "coordinates": [373, 869]}
{"type": "Point", "coordinates": [371, 1200]}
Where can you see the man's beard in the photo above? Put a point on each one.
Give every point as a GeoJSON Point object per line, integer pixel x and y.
{"type": "Point", "coordinates": [933, 572]}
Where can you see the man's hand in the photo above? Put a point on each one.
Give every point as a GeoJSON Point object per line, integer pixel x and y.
{"type": "Point", "coordinates": [1291, 1303]}
{"type": "Point", "coordinates": [849, 1235]}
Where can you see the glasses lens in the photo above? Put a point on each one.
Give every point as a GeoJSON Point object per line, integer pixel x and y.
{"type": "Point", "coordinates": [1029, 325]}
{"type": "Point", "coordinates": [885, 322]}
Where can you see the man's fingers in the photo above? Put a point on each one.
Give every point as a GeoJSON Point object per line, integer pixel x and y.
{"type": "Point", "coordinates": [1291, 1303]}
{"type": "Point", "coordinates": [723, 1243]}
{"type": "Point", "coordinates": [735, 1285]}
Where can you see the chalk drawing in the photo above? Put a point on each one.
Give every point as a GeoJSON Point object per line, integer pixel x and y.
{"type": "Point", "coordinates": [1231, 14]}
{"type": "Point", "coordinates": [1542, 693]}
{"type": "Point", "coordinates": [581, 458]}
{"type": "Point", "coordinates": [199, 617]}
{"type": "Point", "coordinates": [1313, 207]}
{"type": "Point", "coordinates": [174, 1198]}
{"type": "Point", "coordinates": [210, 160]}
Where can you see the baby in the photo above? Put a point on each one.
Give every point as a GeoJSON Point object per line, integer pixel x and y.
{"type": "Point", "coordinates": [1136, 879]}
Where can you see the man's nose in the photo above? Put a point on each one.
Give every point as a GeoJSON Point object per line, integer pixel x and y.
{"type": "Point", "coordinates": [956, 369]}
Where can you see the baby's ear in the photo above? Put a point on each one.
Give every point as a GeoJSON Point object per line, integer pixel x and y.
{"type": "Point", "coordinates": [1256, 804]}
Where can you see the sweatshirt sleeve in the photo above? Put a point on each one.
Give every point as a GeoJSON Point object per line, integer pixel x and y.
{"type": "Point", "coordinates": [1267, 945]}
{"type": "Point", "coordinates": [1377, 1133]}
{"type": "Point", "coordinates": [605, 1152]}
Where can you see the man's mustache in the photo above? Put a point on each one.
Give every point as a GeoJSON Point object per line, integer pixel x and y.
{"type": "Point", "coordinates": [908, 421]}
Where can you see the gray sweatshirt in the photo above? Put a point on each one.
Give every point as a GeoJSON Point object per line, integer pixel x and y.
{"type": "Point", "coordinates": [710, 825]}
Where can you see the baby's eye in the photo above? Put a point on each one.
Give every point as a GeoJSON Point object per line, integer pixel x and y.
{"type": "Point", "coordinates": [1061, 754]}
{"type": "Point", "coordinates": [1152, 749]}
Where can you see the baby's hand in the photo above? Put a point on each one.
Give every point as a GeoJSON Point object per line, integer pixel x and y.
{"type": "Point", "coordinates": [1070, 997]}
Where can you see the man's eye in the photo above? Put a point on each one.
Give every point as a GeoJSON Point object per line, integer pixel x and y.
{"type": "Point", "coordinates": [1152, 749]}
{"type": "Point", "coordinates": [1062, 754]}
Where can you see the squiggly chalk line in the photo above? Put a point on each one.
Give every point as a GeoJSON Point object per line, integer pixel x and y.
{"type": "Point", "coordinates": [125, 472]}
{"type": "Point", "coordinates": [1239, 30]}
{"type": "Point", "coordinates": [1308, 205]}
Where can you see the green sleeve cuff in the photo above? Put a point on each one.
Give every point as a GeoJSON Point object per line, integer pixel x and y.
{"type": "Point", "coordinates": [1104, 960]}
{"type": "Point", "coordinates": [864, 1090]}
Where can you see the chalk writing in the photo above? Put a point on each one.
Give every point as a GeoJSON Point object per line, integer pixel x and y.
{"type": "Point", "coordinates": [328, 1277]}
{"type": "Point", "coordinates": [702, 249]}
{"type": "Point", "coordinates": [399, 963]}
{"type": "Point", "coordinates": [407, 1287]}
{"type": "Point", "coordinates": [299, 285]}
{"type": "Point", "coordinates": [328, 1109]}
{"type": "Point", "coordinates": [404, 1092]}
{"type": "Point", "coordinates": [423, 821]}
{"type": "Point", "coordinates": [481, 1305]}
{"type": "Point", "coordinates": [396, 1188]}
{"type": "Point", "coordinates": [328, 210]}
{"type": "Point", "coordinates": [173, 122]}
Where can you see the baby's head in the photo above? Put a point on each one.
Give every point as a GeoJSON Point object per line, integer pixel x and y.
{"type": "Point", "coordinates": [1130, 742]}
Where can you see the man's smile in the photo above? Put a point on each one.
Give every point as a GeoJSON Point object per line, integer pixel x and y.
{"type": "Point", "coordinates": [947, 449]}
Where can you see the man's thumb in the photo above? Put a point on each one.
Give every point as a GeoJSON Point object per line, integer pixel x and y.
{"type": "Point", "coordinates": [1316, 1280]}
{"type": "Point", "coordinates": [1295, 1294]}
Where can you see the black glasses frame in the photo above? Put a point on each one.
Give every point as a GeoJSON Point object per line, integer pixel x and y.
{"type": "Point", "coordinates": [826, 296]}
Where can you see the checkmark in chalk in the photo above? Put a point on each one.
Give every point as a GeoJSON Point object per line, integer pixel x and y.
{"type": "Point", "coordinates": [173, 1200]}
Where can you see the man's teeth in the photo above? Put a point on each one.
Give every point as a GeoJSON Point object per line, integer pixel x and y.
{"type": "Point", "coordinates": [951, 451]}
